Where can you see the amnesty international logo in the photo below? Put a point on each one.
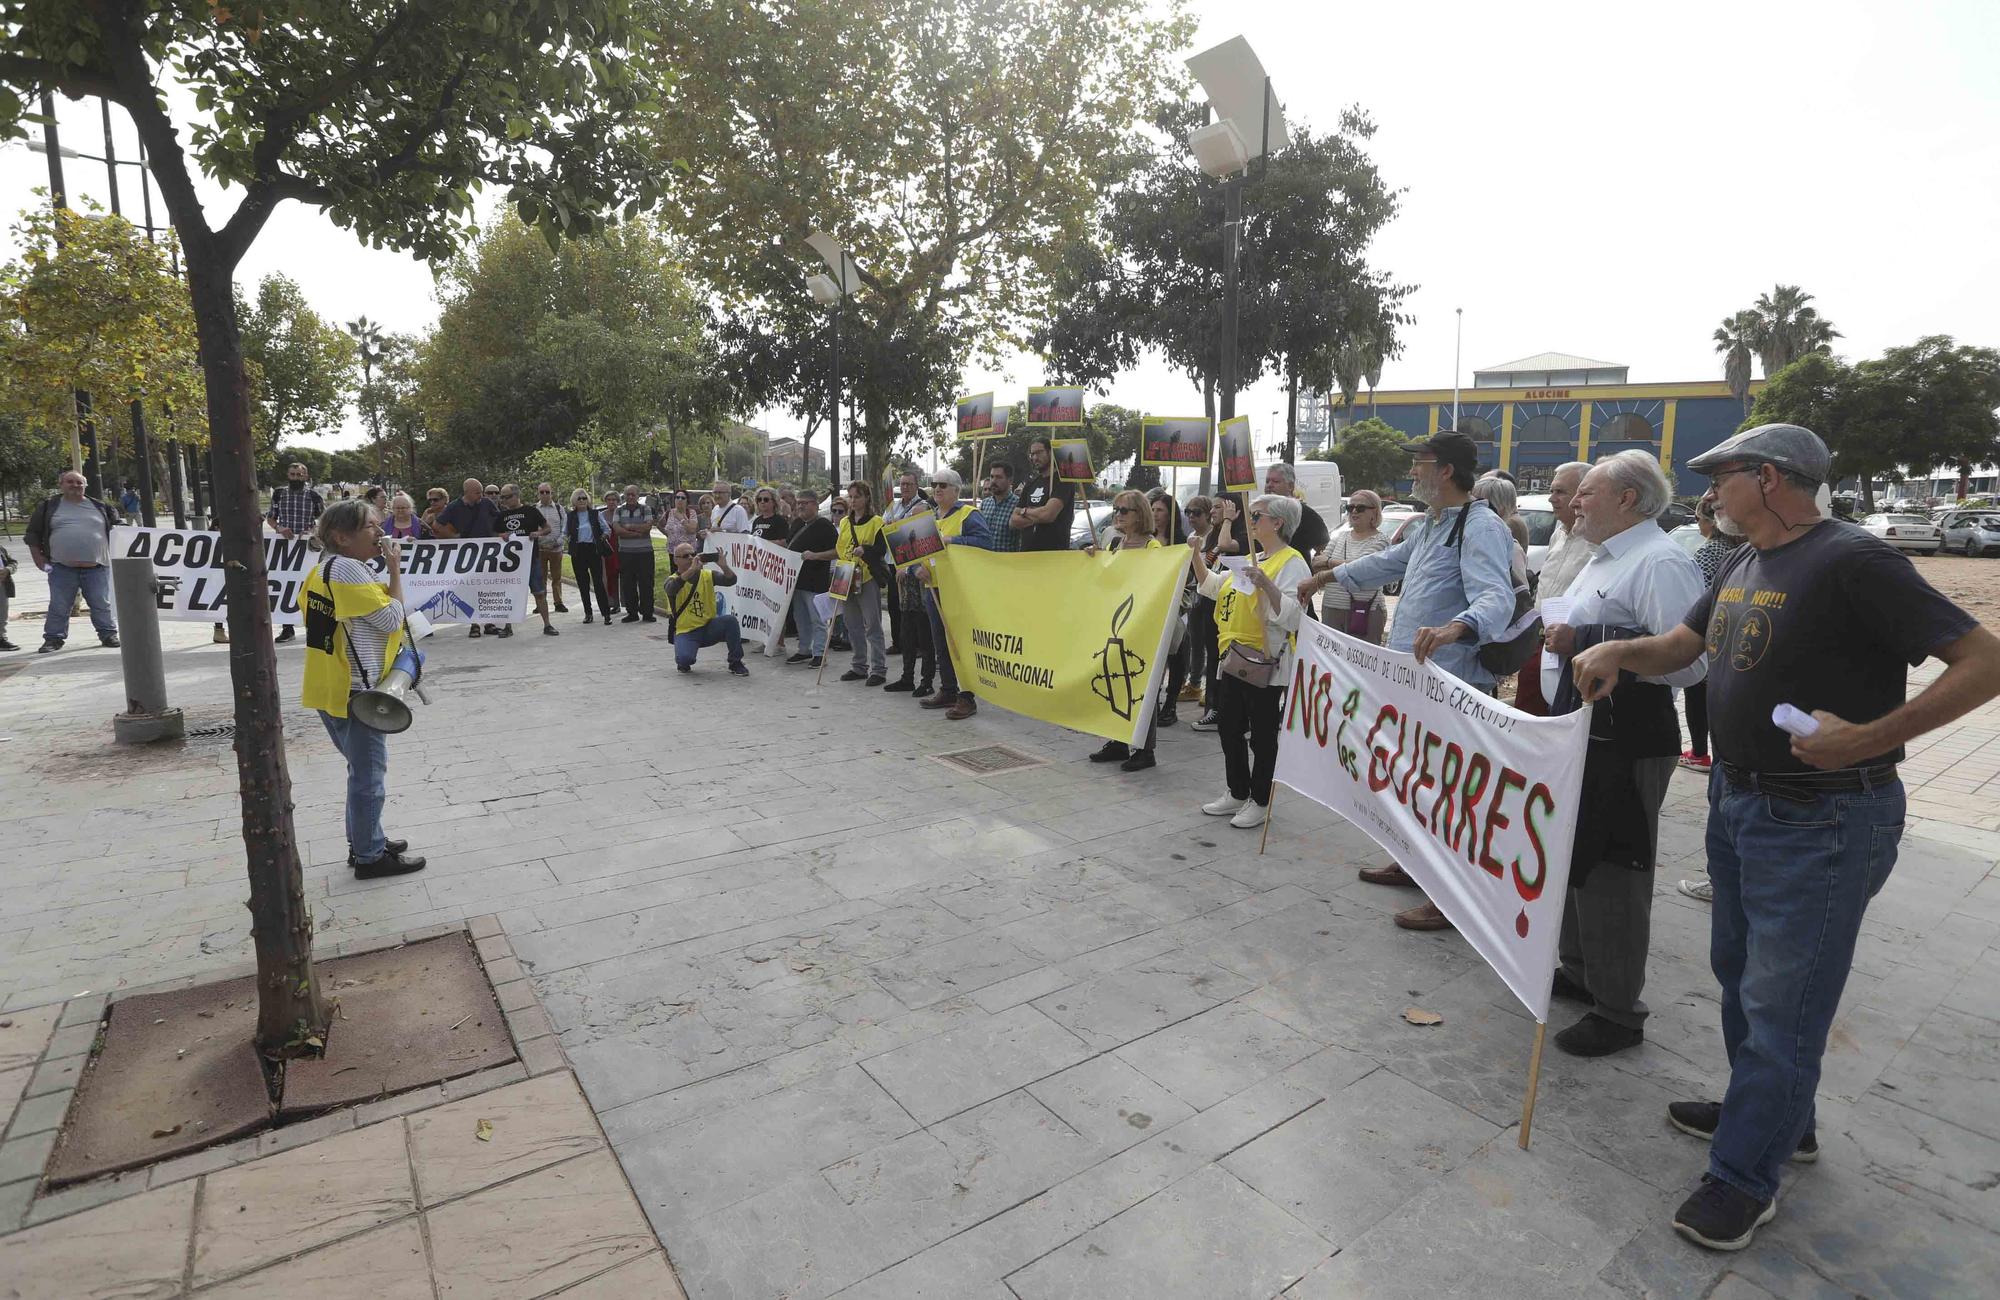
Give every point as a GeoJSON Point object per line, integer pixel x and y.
{"type": "Point", "coordinates": [1121, 671]}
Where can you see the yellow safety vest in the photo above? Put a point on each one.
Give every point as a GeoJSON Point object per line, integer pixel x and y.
{"type": "Point", "coordinates": [1240, 617]}
{"type": "Point", "coordinates": [696, 611]}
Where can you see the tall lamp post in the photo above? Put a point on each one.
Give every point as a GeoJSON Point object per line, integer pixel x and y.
{"type": "Point", "coordinates": [832, 291]}
{"type": "Point", "coordinates": [1248, 125]}
{"type": "Point", "coordinates": [1457, 351]}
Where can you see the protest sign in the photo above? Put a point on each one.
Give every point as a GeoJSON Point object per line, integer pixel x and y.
{"type": "Point", "coordinates": [1174, 441]}
{"type": "Point", "coordinates": [765, 575]}
{"type": "Point", "coordinates": [1055, 407]}
{"type": "Point", "coordinates": [975, 417]}
{"type": "Point", "coordinates": [1051, 635]}
{"type": "Point", "coordinates": [1073, 460]}
{"type": "Point", "coordinates": [481, 580]}
{"type": "Point", "coordinates": [1239, 467]}
{"type": "Point", "coordinates": [840, 579]}
{"type": "Point", "coordinates": [914, 538]}
{"type": "Point", "coordinates": [1476, 800]}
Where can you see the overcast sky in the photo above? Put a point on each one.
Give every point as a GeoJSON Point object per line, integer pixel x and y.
{"type": "Point", "coordinates": [1599, 179]}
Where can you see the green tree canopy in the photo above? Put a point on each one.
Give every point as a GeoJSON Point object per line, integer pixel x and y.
{"type": "Point", "coordinates": [307, 363]}
{"type": "Point", "coordinates": [1371, 454]}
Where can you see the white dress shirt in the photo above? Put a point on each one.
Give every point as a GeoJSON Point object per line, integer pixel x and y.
{"type": "Point", "coordinates": [732, 518]}
{"type": "Point", "coordinates": [1567, 554]}
{"type": "Point", "coordinates": [1639, 579]}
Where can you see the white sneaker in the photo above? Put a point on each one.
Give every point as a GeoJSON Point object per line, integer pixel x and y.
{"type": "Point", "coordinates": [1250, 816]}
{"type": "Point", "coordinates": [1224, 806]}
{"type": "Point", "coordinates": [1700, 890]}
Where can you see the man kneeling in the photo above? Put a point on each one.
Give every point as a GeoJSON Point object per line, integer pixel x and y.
{"type": "Point", "coordinates": [691, 601]}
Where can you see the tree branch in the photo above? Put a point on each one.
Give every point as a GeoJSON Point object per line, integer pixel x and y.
{"type": "Point", "coordinates": [282, 125]}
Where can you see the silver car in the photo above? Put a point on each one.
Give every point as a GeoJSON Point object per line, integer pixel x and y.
{"type": "Point", "coordinates": [1975, 532]}
{"type": "Point", "coordinates": [1907, 532]}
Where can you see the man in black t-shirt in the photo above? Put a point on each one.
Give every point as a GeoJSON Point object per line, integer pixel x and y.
{"type": "Point", "coordinates": [813, 537]}
{"type": "Point", "coordinates": [1802, 830]}
{"type": "Point", "coordinates": [519, 519]}
{"type": "Point", "coordinates": [1047, 504]}
{"type": "Point", "coordinates": [471, 515]}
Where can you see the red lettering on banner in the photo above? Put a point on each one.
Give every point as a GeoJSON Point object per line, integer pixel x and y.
{"type": "Point", "coordinates": [1497, 820]}
{"type": "Point", "coordinates": [1477, 773]}
{"type": "Point", "coordinates": [1416, 752]}
{"type": "Point", "coordinates": [1381, 766]}
{"type": "Point", "coordinates": [1424, 780]}
{"type": "Point", "coordinates": [1454, 762]}
{"type": "Point", "coordinates": [1530, 892]}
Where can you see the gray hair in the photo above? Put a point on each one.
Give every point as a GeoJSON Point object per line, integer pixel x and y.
{"type": "Point", "coordinates": [1582, 467]}
{"type": "Point", "coordinates": [341, 519]}
{"type": "Point", "coordinates": [950, 476]}
{"type": "Point", "coordinates": [1640, 471]}
{"type": "Point", "coordinates": [1498, 493]}
{"type": "Point", "coordinates": [1283, 509]}
{"type": "Point", "coordinates": [1284, 471]}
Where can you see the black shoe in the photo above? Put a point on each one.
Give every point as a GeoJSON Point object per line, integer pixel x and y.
{"type": "Point", "coordinates": [646, 618]}
{"type": "Point", "coordinates": [1699, 1119]}
{"type": "Point", "coordinates": [494, 631]}
{"type": "Point", "coordinates": [1570, 991]}
{"type": "Point", "coordinates": [686, 668]}
{"type": "Point", "coordinates": [924, 689]}
{"type": "Point", "coordinates": [610, 610]}
{"type": "Point", "coordinates": [287, 632]}
{"type": "Point", "coordinates": [389, 864]}
{"type": "Point", "coordinates": [1139, 762]}
{"type": "Point", "coordinates": [852, 676]}
{"type": "Point", "coordinates": [1595, 1036]}
{"type": "Point", "coordinates": [1112, 751]}
{"type": "Point", "coordinates": [561, 608]}
{"type": "Point", "coordinates": [1207, 721]}
{"type": "Point", "coordinates": [474, 633]}
{"type": "Point", "coordinates": [109, 642]}
{"type": "Point", "coordinates": [6, 645]}
{"type": "Point", "coordinates": [1167, 717]}
{"type": "Point", "coordinates": [900, 685]}
{"type": "Point", "coordinates": [738, 670]}
{"type": "Point", "coordinates": [388, 846]}
{"type": "Point", "coordinates": [49, 647]}
{"type": "Point", "coordinates": [876, 679]}
{"type": "Point", "coordinates": [549, 629]}
{"type": "Point", "coordinates": [816, 661]}
{"type": "Point", "coordinates": [629, 618]}
{"type": "Point", "coordinates": [803, 658]}
{"type": "Point", "coordinates": [506, 631]}
{"type": "Point", "coordinates": [1722, 1217]}
{"type": "Point", "coordinates": [587, 618]}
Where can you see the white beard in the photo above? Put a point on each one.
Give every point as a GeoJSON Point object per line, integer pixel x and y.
{"type": "Point", "coordinates": [1726, 526]}
{"type": "Point", "coordinates": [1422, 493]}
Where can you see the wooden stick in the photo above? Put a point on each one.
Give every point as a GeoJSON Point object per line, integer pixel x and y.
{"type": "Point", "coordinates": [978, 465]}
{"type": "Point", "coordinates": [1534, 1082]}
{"type": "Point", "coordinates": [826, 646]}
{"type": "Point", "coordinates": [1269, 808]}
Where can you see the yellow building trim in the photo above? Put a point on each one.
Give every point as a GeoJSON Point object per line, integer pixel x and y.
{"type": "Point", "coordinates": [1574, 393]}
{"type": "Point", "coordinates": [1667, 438]}
{"type": "Point", "coordinates": [1507, 437]}
{"type": "Point", "coordinates": [1434, 421]}
{"type": "Point", "coordinates": [1583, 431]}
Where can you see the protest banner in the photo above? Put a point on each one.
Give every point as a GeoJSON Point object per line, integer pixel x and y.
{"type": "Point", "coordinates": [1239, 465]}
{"type": "Point", "coordinates": [1055, 407]}
{"type": "Point", "coordinates": [975, 417]}
{"type": "Point", "coordinates": [1073, 460]}
{"type": "Point", "coordinates": [766, 573]}
{"type": "Point", "coordinates": [480, 580]}
{"type": "Point", "coordinates": [1476, 800]}
{"type": "Point", "coordinates": [1052, 635]}
{"type": "Point", "coordinates": [914, 538]}
{"type": "Point", "coordinates": [1174, 441]}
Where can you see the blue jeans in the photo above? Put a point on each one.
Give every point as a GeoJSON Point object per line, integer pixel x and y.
{"type": "Point", "coordinates": [367, 753]}
{"type": "Point", "coordinates": [723, 627]}
{"type": "Point", "coordinates": [64, 583]}
{"type": "Point", "coordinates": [1791, 883]}
{"type": "Point", "coordinates": [947, 676]}
{"type": "Point", "coordinates": [812, 628]}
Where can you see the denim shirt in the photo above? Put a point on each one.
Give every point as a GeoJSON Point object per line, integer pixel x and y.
{"type": "Point", "coordinates": [1441, 585]}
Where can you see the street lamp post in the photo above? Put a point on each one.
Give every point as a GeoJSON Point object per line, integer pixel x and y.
{"type": "Point", "coordinates": [832, 291]}
{"type": "Point", "coordinates": [83, 433]}
{"type": "Point", "coordinates": [1457, 350]}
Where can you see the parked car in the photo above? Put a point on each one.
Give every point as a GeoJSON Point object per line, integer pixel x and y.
{"type": "Point", "coordinates": [1976, 532]}
{"type": "Point", "coordinates": [1907, 532]}
{"type": "Point", "coordinates": [1688, 537]}
{"type": "Point", "coordinates": [1541, 519]}
{"type": "Point", "coordinates": [1676, 515]}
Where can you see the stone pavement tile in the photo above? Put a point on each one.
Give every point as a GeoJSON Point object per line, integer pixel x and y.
{"type": "Point", "coordinates": [995, 998]}
{"type": "Point", "coordinates": [1123, 1005]}
{"type": "Point", "coordinates": [1221, 1051]}
{"type": "Point", "coordinates": [951, 968]}
{"type": "Point", "coordinates": [780, 902]}
{"type": "Point", "coordinates": [1542, 1222]}
{"type": "Point", "coordinates": [1380, 970]}
{"type": "Point", "coordinates": [666, 850]}
{"type": "Point", "coordinates": [25, 1034]}
{"type": "Point", "coordinates": [1618, 1116]}
{"type": "Point", "coordinates": [536, 1234]}
{"type": "Point", "coordinates": [136, 1247]}
{"type": "Point", "coordinates": [1078, 928]}
{"type": "Point", "coordinates": [1353, 1160]}
{"type": "Point", "coordinates": [798, 1240]}
{"type": "Point", "coordinates": [1109, 1102]}
{"type": "Point", "coordinates": [1931, 880]}
{"type": "Point", "coordinates": [385, 1263]}
{"type": "Point", "coordinates": [540, 1122]}
{"type": "Point", "coordinates": [14, 1082]}
{"type": "Point", "coordinates": [649, 1276]}
{"type": "Point", "coordinates": [697, 1167]}
{"type": "Point", "coordinates": [976, 1062]}
{"type": "Point", "coordinates": [1947, 1168]}
{"type": "Point", "coordinates": [1950, 1069]}
{"type": "Point", "coordinates": [299, 1199]}
{"type": "Point", "coordinates": [1176, 896]}
{"type": "Point", "coordinates": [1207, 1237]}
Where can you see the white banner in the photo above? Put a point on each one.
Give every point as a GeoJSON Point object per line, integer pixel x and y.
{"type": "Point", "coordinates": [766, 573]}
{"type": "Point", "coordinates": [482, 580]}
{"type": "Point", "coordinates": [1476, 800]}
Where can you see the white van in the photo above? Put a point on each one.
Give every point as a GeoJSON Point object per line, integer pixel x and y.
{"type": "Point", "coordinates": [1319, 487]}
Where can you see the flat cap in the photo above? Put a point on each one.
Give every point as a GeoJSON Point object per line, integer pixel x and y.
{"type": "Point", "coordinates": [1788, 446]}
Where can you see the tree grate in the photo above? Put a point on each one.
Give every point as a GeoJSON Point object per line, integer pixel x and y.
{"type": "Point", "coordinates": [219, 731]}
{"type": "Point", "coordinates": [988, 759]}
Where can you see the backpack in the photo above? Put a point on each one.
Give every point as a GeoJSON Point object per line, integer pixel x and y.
{"type": "Point", "coordinates": [1511, 651]}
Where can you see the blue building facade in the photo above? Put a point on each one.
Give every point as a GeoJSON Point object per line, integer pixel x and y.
{"type": "Point", "coordinates": [1530, 431]}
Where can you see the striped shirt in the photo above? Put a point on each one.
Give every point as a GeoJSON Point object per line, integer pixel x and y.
{"type": "Point", "coordinates": [367, 635]}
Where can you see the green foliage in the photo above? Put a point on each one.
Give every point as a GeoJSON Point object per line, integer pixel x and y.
{"type": "Point", "coordinates": [318, 463]}
{"type": "Point", "coordinates": [1371, 454]}
{"type": "Point", "coordinates": [30, 458]}
{"type": "Point", "coordinates": [1780, 327]}
{"type": "Point", "coordinates": [307, 364]}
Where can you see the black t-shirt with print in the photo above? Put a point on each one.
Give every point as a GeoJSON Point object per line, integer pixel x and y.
{"type": "Point", "coordinates": [815, 535]}
{"type": "Point", "coordinates": [519, 520]}
{"type": "Point", "coordinates": [775, 528]}
{"type": "Point", "coordinates": [1831, 620]}
{"type": "Point", "coordinates": [1054, 535]}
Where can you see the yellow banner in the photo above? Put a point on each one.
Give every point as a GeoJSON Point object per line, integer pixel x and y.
{"type": "Point", "coordinates": [1067, 638]}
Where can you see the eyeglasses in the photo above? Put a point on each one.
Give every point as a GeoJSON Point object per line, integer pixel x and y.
{"type": "Point", "coordinates": [943, 485]}
{"type": "Point", "coordinates": [1126, 510]}
{"type": "Point", "coordinates": [1722, 474]}
{"type": "Point", "coordinates": [1255, 515]}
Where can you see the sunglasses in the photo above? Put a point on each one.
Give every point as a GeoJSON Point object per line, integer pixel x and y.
{"type": "Point", "coordinates": [1255, 515]}
{"type": "Point", "coordinates": [1355, 510]}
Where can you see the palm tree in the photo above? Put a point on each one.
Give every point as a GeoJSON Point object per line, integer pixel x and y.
{"type": "Point", "coordinates": [1788, 328]}
{"type": "Point", "coordinates": [1734, 342]}
{"type": "Point", "coordinates": [368, 334]}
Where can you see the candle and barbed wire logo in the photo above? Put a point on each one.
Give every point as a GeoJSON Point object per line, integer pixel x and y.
{"type": "Point", "coordinates": [1121, 670]}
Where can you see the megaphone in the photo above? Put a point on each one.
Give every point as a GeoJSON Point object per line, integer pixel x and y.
{"type": "Point", "coordinates": [382, 708]}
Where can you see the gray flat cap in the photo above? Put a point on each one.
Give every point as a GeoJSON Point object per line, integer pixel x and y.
{"type": "Point", "coordinates": [1788, 446]}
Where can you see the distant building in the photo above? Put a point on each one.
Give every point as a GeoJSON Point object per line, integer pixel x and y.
{"type": "Point", "coordinates": [784, 457]}
{"type": "Point", "coordinates": [1549, 370]}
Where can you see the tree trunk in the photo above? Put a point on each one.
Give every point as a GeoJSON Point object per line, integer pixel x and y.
{"type": "Point", "coordinates": [290, 1012]}
{"type": "Point", "coordinates": [1208, 410]}
{"type": "Point", "coordinates": [1291, 412]}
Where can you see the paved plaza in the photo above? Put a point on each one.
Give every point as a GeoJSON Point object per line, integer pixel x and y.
{"type": "Point", "coordinates": [857, 1023]}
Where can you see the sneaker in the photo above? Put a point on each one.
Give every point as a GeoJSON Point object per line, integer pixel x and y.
{"type": "Point", "coordinates": [900, 685]}
{"type": "Point", "coordinates": [1191, 693]}
{"type": "Point", "coordinates": [1694, 762]}
{"type": "Point", "coordinates": [629, 618]}
{"type": "Point", "coordinates": [648, 618]}
{"type": "Point", "coordinates": [1250, 816]}
{"type": "Point", "coordinates": [474, 633]}
{"type": "Point", "coordinates": [389, 864]}
{"type": "Point", "coordinates": [6, 645]}
{"type": "Point", "coordinates": [587, 618]}
{"type": "Point", "coordinates": [1596, 1036]}
{"type": "Point", "coordinates": [109, 642]}
{"type": "Point", "coordinates": [287, 632]}
{"type": "Point", "coordinates": [738, 670]}
{"type": "Point", "coordinates": [1701, 891]}
{"type": "Point", "coordinates": [1112, 751]}
{"type": "Point", "coordinates": [561, 608]}
{"type": "Point", "coordinates": [1699, 1118]}
{"type": "Point", "coordinates": [1168, 717]}
{"type": "Point", "coordinates": [549, 629]}
{"type": "Point", "coordinates": [492, 630]}
{"type": "Point", "coordinates": [854, 675]}
{"type": "Point", "coordinates": [1139, 762]}
{"type": "Point", "coordinates": [1207, 721]}
{"type": "Point", "coordinates": [508, 631]}
{"type": "Point", "coordinates": [1227, 806]}
{"type": "Point", "coordinates": [1721, 1217]}
{"type": "Point", "coordinates": [686, 668]}
{"type": "Point", "coordinates": [49, 647]}
{"type": "Point", "coordinates": [875, 679]}
{"type": "Point", "coordinates": [816, 662]}
{"type": "Point", "coordinates": [800, 658]}
{"type": "Point", "coordinates": [388, 846]}
{"type": "Point", "coordinates": [221, 636]}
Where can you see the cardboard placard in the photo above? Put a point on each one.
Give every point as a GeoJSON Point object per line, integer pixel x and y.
{"type": "Point", "coordinates": [915, 538]}
{"type": "Point", "coordinates": [1239, 462]}
{"type": "Point", "coordinates": [1173, 441]}
{"type": "Point", "coordinates": [975, 417]}
{"type": "Point", "coordinates": [1072, 460]}
{"type": "Point", "coordinates": [1059, 406]}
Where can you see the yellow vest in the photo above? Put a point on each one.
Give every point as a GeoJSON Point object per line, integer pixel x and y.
{"type": "Point", "coordinates": [327, 606]}
{"type": "Point", "coordinates": [950, 526]}
{"type": "Point", "coordinates": [694, 611]}
{"type": "Point", "coordinates": [851, 540]}
{"type": "Point", "coordinates": [1240, 617]}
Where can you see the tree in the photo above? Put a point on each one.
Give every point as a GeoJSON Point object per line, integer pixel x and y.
{"type": "Point", "coordinates": [318, 463]}
{"type": "Point", "coordinates": [1787, 328]}
{"type": "Point", "coordinates": [307, 364]}
{"type": "Point", "coordinates": [1370, 453]}
{"type": "Point", "coordinates": [956, 149]}
{"type": "Point", "coordinates": [367, 336]}
{"type": "Point", "coordinates": [1735, 340]}
{"type": "Point", "coordinates": [387, 116]}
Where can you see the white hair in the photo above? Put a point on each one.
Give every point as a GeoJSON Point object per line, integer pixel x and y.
{"type": "Point", "coordinates": [1496, 492]}
{"type": "Point", "coordinates": [1640, 471]}
{"type": "Point", "coordinates": [949, 476]}
{"type": "Point", "coordinates": [1581, 467]}
{"type": "Point", "coordinates": [1284, 471]}
{"type": "Point", "coordinates": [1283, 509]}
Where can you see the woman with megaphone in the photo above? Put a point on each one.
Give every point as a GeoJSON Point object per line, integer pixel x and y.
{"type": "Point", "coordinates": [354, 634]}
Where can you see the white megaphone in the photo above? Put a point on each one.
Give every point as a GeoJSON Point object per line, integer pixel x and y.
{"type": "Point", "coordinates": [382, 708]}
